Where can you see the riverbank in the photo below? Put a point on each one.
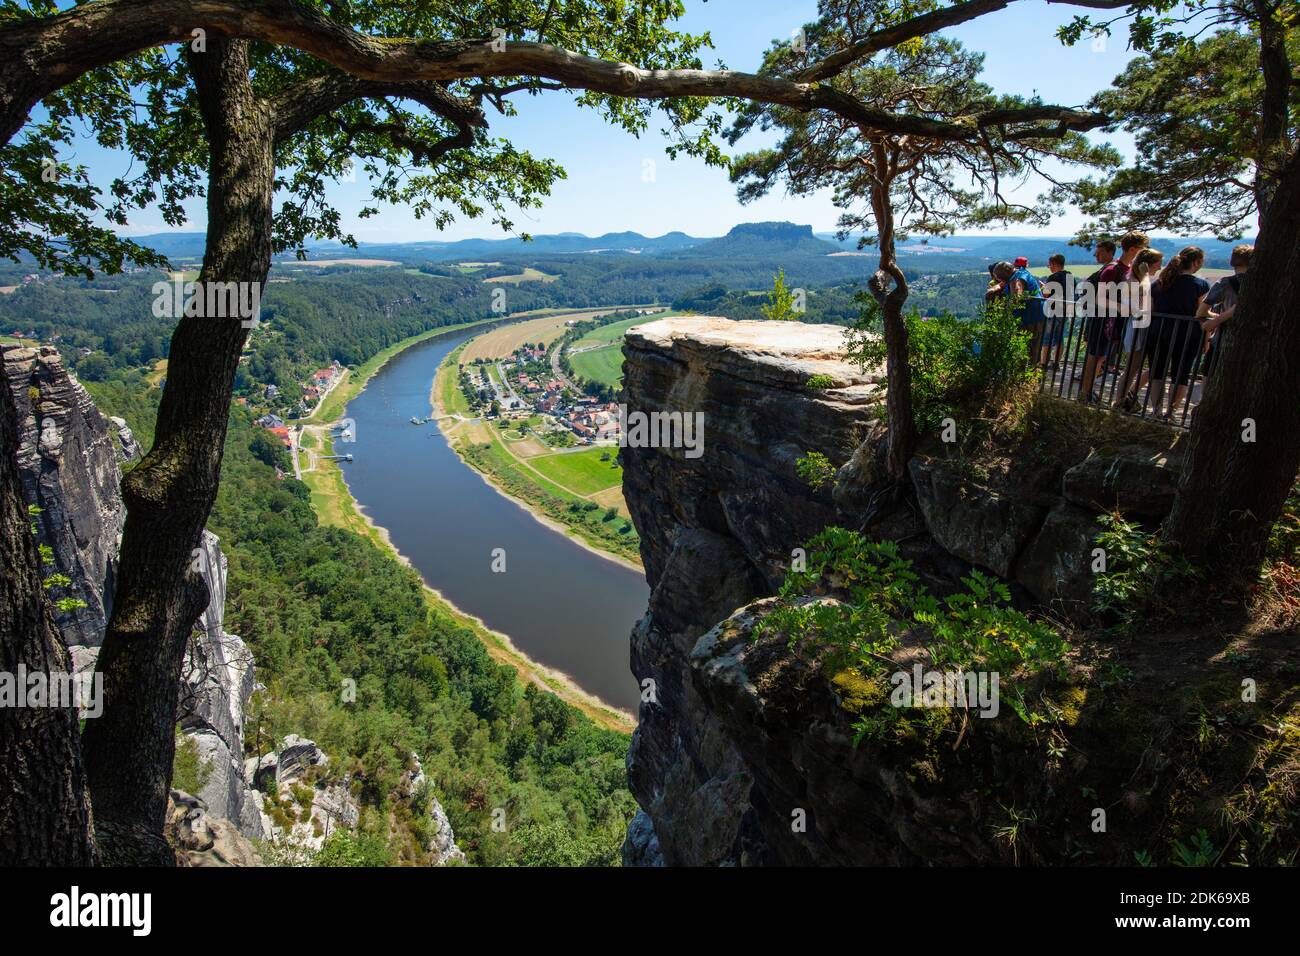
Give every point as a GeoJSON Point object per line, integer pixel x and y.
{"type": "Point", "coordinates": [334, 505]}
{"type": "Point", "coordinates": [481, 447]}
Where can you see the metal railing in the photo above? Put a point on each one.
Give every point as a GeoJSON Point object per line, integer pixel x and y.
{"type": "Point", "coordinates": [1157, 372]}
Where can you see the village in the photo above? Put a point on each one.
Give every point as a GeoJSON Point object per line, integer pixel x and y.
{"type": "Point", "coordinates": [527, 385]}
{"type": "Point", "coordinates": [314, 391]}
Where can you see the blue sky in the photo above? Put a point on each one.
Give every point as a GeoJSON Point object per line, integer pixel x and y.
{"type": "Point", "coordinates": [606, 190]}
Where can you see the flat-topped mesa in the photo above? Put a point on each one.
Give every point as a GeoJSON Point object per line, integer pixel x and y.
{"type": "Point", "coordinates": [750, 383]}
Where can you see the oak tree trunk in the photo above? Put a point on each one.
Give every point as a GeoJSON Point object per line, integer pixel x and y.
{"type": "Point", "coordinates": [169, 495]}
{"type": "Point", "coordinates": [1232, 489]}
{"type": "Point", "coordinates": [44, 813]}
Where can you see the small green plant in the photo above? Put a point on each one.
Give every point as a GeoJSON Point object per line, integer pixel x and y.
{"type": "Point", "coordinates": [819, 381]}
{"type": "Point", "coordinates": [1138, 573]}
{"type": "Point", "coordinates": [954, 362]}
{"type": "Point", "coordinates": [190, 772]}
{"type": "Point", "coordinates": [815, 469]}
{"type": "Point", "coordinates": [1198, 851]}
{"type": "Point", "coordinates": [780, 305]}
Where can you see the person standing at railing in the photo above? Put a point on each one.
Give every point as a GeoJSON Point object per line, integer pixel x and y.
{"type": "Point", "coordinates": [1138, 326]}
{"type": "Point", "coordinates": [1221, 302]}
{"type": "Point", "coordinates": [1059, 309]}
{"type": "Point", "coordinates": [1026, 295]}
{"type": "Point", "coordinates": [1091, 326]}
{"type": "Point", "coordinates": [1177, 296]}
{"type": "Point", "coordinates": [1105, 308]}
{"type": "Point", "coordinates": [999, 276]}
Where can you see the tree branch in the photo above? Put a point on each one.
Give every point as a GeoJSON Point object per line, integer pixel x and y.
{"type": "Point", "coordinates": [297, 106]}
{"type": "Point", "coordinates": [39, 55]}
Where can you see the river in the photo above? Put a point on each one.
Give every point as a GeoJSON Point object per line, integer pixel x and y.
{"type": "Point", "coordinates": [559, 603]}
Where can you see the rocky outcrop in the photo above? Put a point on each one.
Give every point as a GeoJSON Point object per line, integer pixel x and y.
{"type": "Point", "coordinates": [740, 740]}
{"type": "Point", "coordinates": [417, 790]}
{"type": "Point", "coordinates": [68, 458]}
{"type": "Point", "coordinates": [303, 803]}
{"type": "Point", "coordinates": [717, 531]}
{"type": "Point", "coordinates": [217, 681]}
{"type": "Point", "coordinates": [202, 840]}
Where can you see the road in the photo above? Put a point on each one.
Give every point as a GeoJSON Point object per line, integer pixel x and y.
{"type": "Point", "coordinates": [555, 368]}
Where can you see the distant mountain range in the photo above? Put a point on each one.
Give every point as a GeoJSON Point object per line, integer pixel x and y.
{"type": "Point", "coordinates": [751, 240]}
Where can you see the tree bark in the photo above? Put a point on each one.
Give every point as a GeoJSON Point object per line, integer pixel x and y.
{"type": "Point", "coordinates": [1275, 104]}
{"type": "Point", "coordinates": [1232, 490]}
{"type": "Point", "coordinates": [169, 495]}
{"type": "Point", "coordinates": [889, 286]}
{"type": "Point", "coordinates": [44, 813]}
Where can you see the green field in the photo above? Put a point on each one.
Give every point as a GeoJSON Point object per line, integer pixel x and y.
{"type": "Point", "coordinates": [604, 365]}
{"type": "Point", "coordinates": [528, 275]}
{"type": "Point", "coordinates": [614, 331]}
{"type": "Point", "coordinates": [581, 471]}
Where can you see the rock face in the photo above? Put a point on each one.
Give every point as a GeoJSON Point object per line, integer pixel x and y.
{"type": "Point", "coordinates": [735, 736]}
{"type": "Point", "coordinates": [202, 840]}
{"type": "Point", "coordinates": [68, 457]}
{"type": "Point", "coordinates": [716, 532]}
{"type": "Point", "coordinates": [217, 680]}
{"type": "Point", "coordinates": [415, 787]}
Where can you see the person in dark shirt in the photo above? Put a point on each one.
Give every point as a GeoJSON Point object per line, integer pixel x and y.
{"type": "Point", "coordinates": [1059, 310]}
{"type": "Point", "coordinates": [1176, 298]}
{"type": "Point", "coordinates": [1220, 303]}
{"type": "Point", "coordinates": [1106, 295]}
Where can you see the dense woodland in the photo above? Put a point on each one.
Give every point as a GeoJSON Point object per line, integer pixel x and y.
{"type": "Point", "coordinates": [318, 604]}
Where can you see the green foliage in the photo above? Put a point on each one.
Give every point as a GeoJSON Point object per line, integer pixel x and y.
{"type": "Point", "coordinates": [955, 363]}
{"type": "Point", "coordinates": [978, 627]}
{"type": "Point", "coordinates": [190, 772]}
{"type": "Point", "coordinates": [881, 599]}
{"type": "Point", "coordinates": [815, 469]}
{"type": "Point", "coordinates": [1140, 578]}
{"type": "Point", "coordinates": [551, 843]}
{"type": "Point", "coordinates": [780, 301]}
{"type": "Point", "coordinates": [819, 382]}
{"type": "Point", "coordinates": [344, 848]}
{"type": "Point", "coordinates": [1197, 851]}
{"type": "Point", "coordinates": [1193, 103]}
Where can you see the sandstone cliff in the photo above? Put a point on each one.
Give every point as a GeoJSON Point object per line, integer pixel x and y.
{"type": "Point", "coordinates": [68, 457]}
{"type": "Point", "coordinates": [745, 750]}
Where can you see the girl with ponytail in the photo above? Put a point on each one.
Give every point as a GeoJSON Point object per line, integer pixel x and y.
{"type": "Point", "coordinates": [1176, 295]}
